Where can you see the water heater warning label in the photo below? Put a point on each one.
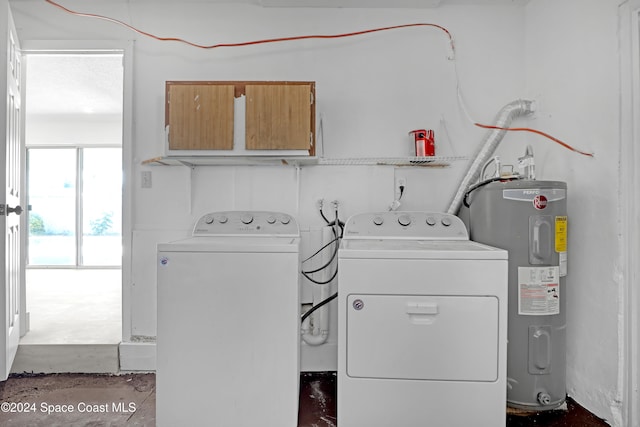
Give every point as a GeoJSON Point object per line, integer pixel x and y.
{"type": "Point", "coordinates": [561, 234]}
{"type": "Point", "coordinates": [538, 291]}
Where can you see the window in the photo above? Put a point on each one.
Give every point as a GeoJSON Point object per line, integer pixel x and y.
{"type": "Point", "coordinates": [75, 197]}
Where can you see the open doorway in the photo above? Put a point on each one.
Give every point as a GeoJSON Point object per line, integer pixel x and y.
{"type": "Point", "coordinates": [73, 138]}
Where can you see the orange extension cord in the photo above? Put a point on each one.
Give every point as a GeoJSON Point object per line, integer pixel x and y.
{"type": "Point", "coordinates": [304, 37]}
{"type": "Point", "coordinates": [254, 42]}
{"type": "Point", "coordinates": [546, 135]}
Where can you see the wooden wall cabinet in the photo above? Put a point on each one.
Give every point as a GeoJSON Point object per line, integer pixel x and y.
{"type": "Point", "coordinates": [202, 117]}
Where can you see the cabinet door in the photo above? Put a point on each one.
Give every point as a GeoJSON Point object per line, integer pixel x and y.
{"type": "Point", "coordinates": [280, 116]}
{"type": "Point", "coordinates": [200, 116]}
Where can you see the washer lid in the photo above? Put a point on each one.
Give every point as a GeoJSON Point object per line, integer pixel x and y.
{"type": "Point", "coordinates": [418, 249]}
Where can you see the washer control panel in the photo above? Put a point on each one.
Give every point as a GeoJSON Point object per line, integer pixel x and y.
{"type": "Point", "coordinates": [406, 225]}
{"type": "Point", "coordinates": [249, 223]}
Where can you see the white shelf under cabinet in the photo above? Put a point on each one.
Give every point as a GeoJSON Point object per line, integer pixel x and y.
{"type": "Point", "coordinates": [193, 161]}
{"type": "Point", "coordinates": [436, 161]}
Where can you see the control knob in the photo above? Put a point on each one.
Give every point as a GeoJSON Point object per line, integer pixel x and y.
{"type": "Point", "coordinates": [223, 219]}
{"type": "Point", "coordinates": [208, 219]}
{"type": "Point", "coordinates": [246, 218]}
{"type": "Point", "coordinates": [404, 220]}
{"type": "Point", "coordinates": [285, 220]}
{"type": "Point", "coordinates": [378, 220]}
{"type": "Point", "coordinates": [446, 221]}
{"type": "Point", "coordinates": [431, 221]}
{"type": "Point", "coordinates": [271, 219]}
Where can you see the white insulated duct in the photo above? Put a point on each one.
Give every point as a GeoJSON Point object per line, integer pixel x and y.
{"type": "Point", "coordinates": [491, 141]}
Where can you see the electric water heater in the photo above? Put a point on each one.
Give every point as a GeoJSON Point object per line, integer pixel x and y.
{"type": "Point", "coordinates": [529, 219]}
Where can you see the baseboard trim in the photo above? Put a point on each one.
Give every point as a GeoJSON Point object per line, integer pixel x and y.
{"type": "Point", "coordinates": [137, 356]}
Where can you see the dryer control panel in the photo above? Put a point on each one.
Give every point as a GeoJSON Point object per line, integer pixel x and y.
{"type": "Point", "coordinates": [246, 223]}
{"type": "Point", "coordinates": [406, 225]}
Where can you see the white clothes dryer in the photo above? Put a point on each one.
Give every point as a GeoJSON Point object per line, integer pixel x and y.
{"type": "Point", "coordinates": [229, 323]}
{"type": "Point", "coordinates": [422, 324]}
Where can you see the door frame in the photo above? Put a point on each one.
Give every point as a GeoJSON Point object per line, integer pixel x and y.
{"type": "Point", "coordinates": [629, 368]}
{"type": "Point", "coordinates": [96, 46]}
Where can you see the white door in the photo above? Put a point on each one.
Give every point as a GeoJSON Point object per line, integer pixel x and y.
{"type": "Point", "coordinates": [12, 267]}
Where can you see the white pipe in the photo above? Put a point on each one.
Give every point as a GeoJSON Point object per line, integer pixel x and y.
{"type": "Point", "coordinates": [315, 340]}
{"type": "Point", "coordinates": [321, 316]}
{"type": "Point", "coordinates": [491, 141]}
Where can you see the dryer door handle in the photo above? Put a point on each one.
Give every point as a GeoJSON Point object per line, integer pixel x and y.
{"type": "Point", "coordinates": [422, 313]}
{"type": "Point", "coordinates": [430, 308]}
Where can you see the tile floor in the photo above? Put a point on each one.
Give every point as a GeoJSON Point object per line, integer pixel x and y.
{"type": "Point", "coordinates": [129, 400]}
{"type": "Point", "coordinates": [76, 321]}
{"type": "Point", "coordinates": [69, 306]}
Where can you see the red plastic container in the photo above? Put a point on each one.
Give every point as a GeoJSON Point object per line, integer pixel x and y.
{"type": "Point", "coordinates": [425, 142]}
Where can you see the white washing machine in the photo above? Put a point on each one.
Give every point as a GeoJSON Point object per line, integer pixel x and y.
{"type": "Point", "coordinates": [422, 324]}
{"type": "Point", "coordinates": [229, 323]}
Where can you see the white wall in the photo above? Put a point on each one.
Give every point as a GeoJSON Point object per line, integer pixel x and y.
{"type": "Point", "coordinates": [572, 69]}
{"type": "Point", "coordinates": [371, 91]}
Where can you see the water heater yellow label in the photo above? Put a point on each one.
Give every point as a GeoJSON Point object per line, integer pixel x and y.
{"type": "Point", "coordinates": [561, 234]}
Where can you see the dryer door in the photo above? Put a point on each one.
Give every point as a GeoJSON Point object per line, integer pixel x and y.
{"type": "Point", "coordinates": [422, 337]}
